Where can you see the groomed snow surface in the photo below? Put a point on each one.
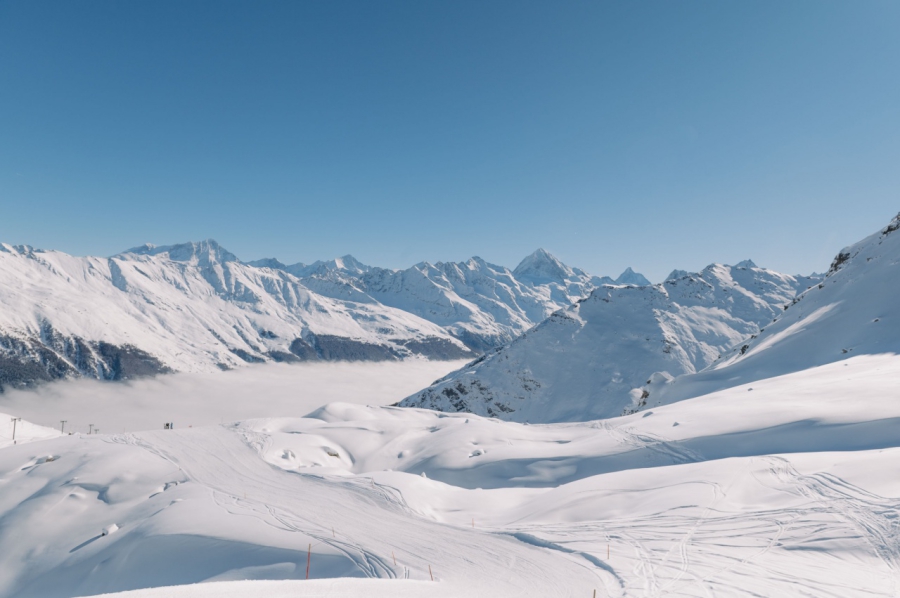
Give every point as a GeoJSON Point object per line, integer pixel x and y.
{"type": "Point", "coordinates": [788, 489]}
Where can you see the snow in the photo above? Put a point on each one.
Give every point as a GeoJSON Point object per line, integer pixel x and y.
{"type": "Point", "coordinates": [314, 588]}
{"type": "Point", "coordinates": [788, 490]}
{"type": "Point", "coordinates": [631, 277]}
{"type": "Point", "coordinates": [774, 471]}
{"type": "Point", "coordinates": [25, 430]}
{"type": "Point", "coordinates": [594, 359]}
{"type": "Point", "coordinates": [194, 307]}
{"type": "Point", "coordinates": [851, 312]}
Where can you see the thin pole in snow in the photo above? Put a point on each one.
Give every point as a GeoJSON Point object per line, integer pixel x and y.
{"type": "Point", "coordinates": [14, 420]}
{"type": "Point", "coordinates": [90, 428]}
{"type": "Point", "coordinates": [393, 557]}
{"type": "Point", "coordinates": [473, 523]}
{"type": "Point", "coordinates": [430, 573]}
{"type": "Point", "coordinates": [308, 556]}
{"type": "Point", "coordinates": [62, 426]}
{"type": "Point", "coordinates": [332, 532]}
{"type": "Point", "coordinates": [607, 552]}
{"type": "Point", "coordinates": [595, 593]}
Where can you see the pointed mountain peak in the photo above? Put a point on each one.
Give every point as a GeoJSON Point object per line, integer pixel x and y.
{"type": "Point", "coordinates": [675, 274]}
{"type": "Point", "coordinates": [542, 266]}
{"type": "Point", "coordinates": [200, 252]}
{"type": "Point", "coordinates": [350, 264]}
{"type": "Point", "coordinates": [746, 264]}
{"type": "Point", "coordinates": [629, 276]}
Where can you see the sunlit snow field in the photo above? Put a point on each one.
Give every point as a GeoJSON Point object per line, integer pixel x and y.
{"type": "Point", "coordinates": [787, 489]}
{"type": "Point", "coordinates": [197, 399]}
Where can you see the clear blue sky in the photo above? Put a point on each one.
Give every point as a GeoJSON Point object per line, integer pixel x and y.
{"type": "Point", "coordinates": [653, 134]}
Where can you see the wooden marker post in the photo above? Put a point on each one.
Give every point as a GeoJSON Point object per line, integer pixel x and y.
{"type": "Point", "coordinates": [430, 573]}
{"type": "Point", "coordinates": [308, 557]}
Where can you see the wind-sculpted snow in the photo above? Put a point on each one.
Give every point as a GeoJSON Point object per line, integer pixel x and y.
{"type": "Point", "coordinates": [190, 307]}
{"type": "Point", "coordinates": [596, 358]}
{"type": "Point", "coordinates": [685, 500]}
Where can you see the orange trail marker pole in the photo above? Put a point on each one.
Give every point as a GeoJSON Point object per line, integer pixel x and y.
{"type": "Point", "coordinates": [308, 556]}
{"type": "Point", "coordinates": [393, 557]}
{"type": "Point", "coordinates": [430, 573]}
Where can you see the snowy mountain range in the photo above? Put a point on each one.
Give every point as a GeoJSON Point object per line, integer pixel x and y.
{"type": "Point", "coordinates": [595, 358]}
{"type": "Point", "coordinates": [197, 307]}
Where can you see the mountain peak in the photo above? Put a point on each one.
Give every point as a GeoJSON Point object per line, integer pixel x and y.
{"type": "Point", "coordinates": [746, 264]}
{"type": "Point", "coordinates": [675, 274]}
{"type": "Point", "coordinates": [542, 266]}
{"type": "Point", "coordinates": [350, 263]}
{"type": "Point", "coordinates": [629, 276]}
{"type": "Point", "coordinates": [267, 262]}
{"type": "Point", "coordinates": [199, 252]}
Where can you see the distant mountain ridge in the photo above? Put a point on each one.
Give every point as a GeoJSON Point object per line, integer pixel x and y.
{"type": "Point", "coordinates": [482, 304]}
{"type": "Point", "coordinates": [195, 306]}
{"type": "Point", "coordinates": [595, 358]}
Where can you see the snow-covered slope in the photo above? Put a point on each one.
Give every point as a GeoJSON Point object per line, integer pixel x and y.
{"type": "Point", "coordinates": [686, 500]}
{"type": "Point", "coordinates": [189, 307]}
{"type": "Point", "coordinates": [593, 359]}
{"type": "Point", "coordinates": [853, 311]}
{"type": "Point", "coordinates": [15, 431]}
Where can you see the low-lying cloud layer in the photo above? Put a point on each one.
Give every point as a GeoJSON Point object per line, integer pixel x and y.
{"type": "Point", "coordinates": [274, 390]}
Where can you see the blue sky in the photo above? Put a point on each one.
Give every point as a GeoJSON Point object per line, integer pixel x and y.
{"type": "Point", "coordinates": [658, 135]}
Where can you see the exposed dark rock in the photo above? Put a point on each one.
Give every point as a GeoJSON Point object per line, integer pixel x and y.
{"type": "Point", "coordinates": [283, 357]}
{"type": "Point", "coordinates": [339, 348]}
{"type": "Point", "coordinates": [436, 348]}
{"type": "Point", "coordinates": [303, 350]}
{"type": "Point", "coordinates": [479, 343]}
{"type": "Point", "coordinates": [126, 361]}
{"type": "Point", "coordinates": [27, 361]}
{"type": "Point", "coordinates": [247, 356]}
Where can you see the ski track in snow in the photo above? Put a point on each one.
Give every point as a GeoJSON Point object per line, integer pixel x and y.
{"type": "Point", "coordinates": [720, 554]}
{"type": "Point", "coordinates": [243, 485]}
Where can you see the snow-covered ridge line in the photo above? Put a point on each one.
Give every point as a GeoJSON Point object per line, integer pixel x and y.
{"type": "Point", "coordinates": [196, 307]}
{"type": "Point", "coordinates": [192, 307]}
{"type": "Point", "coordinates": [852, 311]}
{"type": "Point", "coordinates": [596, 358]}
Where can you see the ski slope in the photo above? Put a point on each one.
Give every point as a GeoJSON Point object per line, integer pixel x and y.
{"type": "Point", "coordinates": [788, 489]}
